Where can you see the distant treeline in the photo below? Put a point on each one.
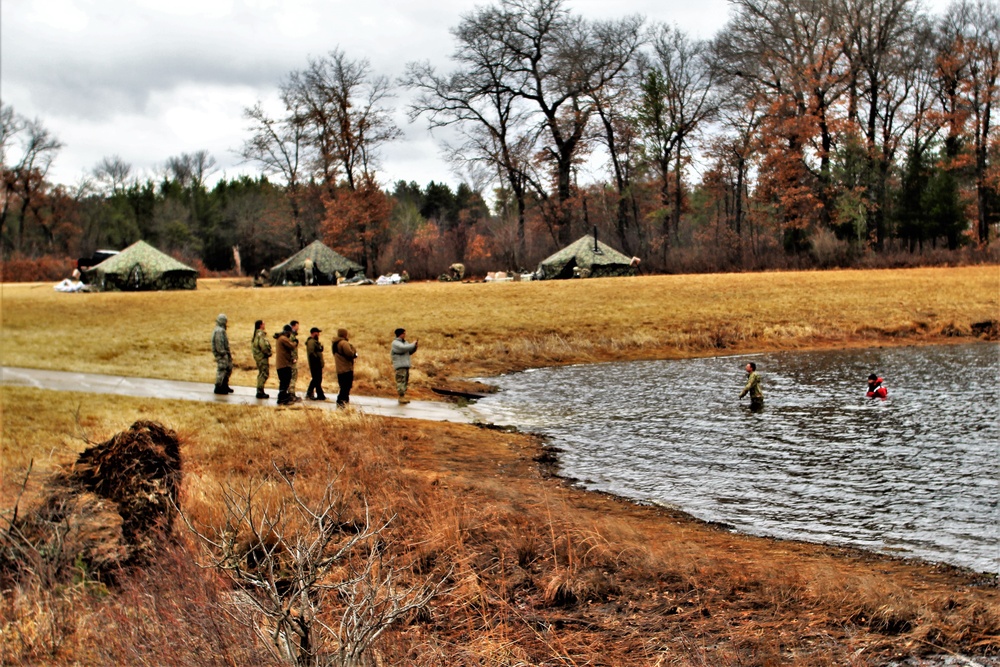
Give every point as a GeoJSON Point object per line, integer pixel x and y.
{"type": "Point", "coordinates": [805, 133]}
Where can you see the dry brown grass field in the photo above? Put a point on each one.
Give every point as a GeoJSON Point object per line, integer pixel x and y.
{"type": "Point", "coordinates": [535, 571]}
{"type": "Point", "coordinates": [476, 329]}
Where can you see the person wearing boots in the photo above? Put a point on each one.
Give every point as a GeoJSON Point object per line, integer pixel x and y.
{"type": "Point", "coordinates": [260, 347]}
{"type": "Point", "coordinates": [223, 358]}
{"type": "Point", "coordinates": [294, 337]}
{"type": "Point", "coordinates": [283, 363]}
{"type": "Point", "coordinates": [400, 353]}
{"type": "Point", "coordinates": [314, 354]}
{"type": "Point", "coordinates": [344, 355]}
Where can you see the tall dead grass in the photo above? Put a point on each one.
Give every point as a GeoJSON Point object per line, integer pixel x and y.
{"type": "Point", "coordinates": [481, 329]}
{"type": "Point", "coordinates": [536, 571]}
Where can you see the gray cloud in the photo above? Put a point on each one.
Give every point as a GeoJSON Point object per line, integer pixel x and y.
{"type": "Point", "coordinates": [149, 79]}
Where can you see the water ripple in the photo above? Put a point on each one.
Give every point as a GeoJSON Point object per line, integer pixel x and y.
{"type": "Point", "coordinates": [916, 475]}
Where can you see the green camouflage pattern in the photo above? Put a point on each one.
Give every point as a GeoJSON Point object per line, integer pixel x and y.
{"type": "Point", "coordinates": [606, 261]}
{"type": "Point", "coordinates": [141, 267]}
{"type": "Point", "coordinates": [326, 264]}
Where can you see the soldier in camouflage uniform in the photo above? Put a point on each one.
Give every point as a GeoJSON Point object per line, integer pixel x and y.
{"type": "Point", "coordinates": [753, 387]}
{"type": "Point", "coordinates": [223, 358]}
{"type": "Point", "coordinates": [260, 346]}
{"type": "Point", "coordinates": [294, 337]}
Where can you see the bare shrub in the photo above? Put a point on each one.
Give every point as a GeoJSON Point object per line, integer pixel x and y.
{"type": "Point", "coordinates": [315, 582]}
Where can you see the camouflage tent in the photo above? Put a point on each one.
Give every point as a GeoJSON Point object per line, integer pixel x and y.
{"type": "Point", "coordinates": [326, 264]}
{"type": "Point", "coordinates": [592, 257]}
{"type": "Point", "coordinates": [141, 267]}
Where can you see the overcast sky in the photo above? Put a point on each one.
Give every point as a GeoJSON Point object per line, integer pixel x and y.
{"type": "Point", "coordinates": [148, 79]}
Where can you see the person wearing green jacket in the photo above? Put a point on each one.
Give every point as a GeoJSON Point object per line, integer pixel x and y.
{"type": "Point", "coordinates": [260, 347]}
{"type": "Point", "coordinates": [753, 387]}
{"type": "Point", "coordinates": [294, 337]}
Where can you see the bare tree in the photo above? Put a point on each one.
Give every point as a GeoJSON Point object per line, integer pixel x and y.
{"type": "Point", "coordinates": [191, 169]}
{"type": "Point", "coordinates": [296, 561]}
{"type": "Point", "coordinates": [341, 105]}
{"type": "Point", "coordinates": [24, 178]}
{"type": "Point", "coordinates": [491, 119]}
{"type": "Point", "coordinates": [278, 145]}
{"type": "Point", "coordinates": [113, 173]}
{"type": "Point", "coordinates": [740, 113]}
{"type": "Point", "coordinates": [678, 97]}
{"type": "Point", "coordinates": [982, 49]}
{"type": "Point", "coordinates": [620, 134]}
{"type": "Point", "coordinates": [793, 53]}
{"type": "Point", "coordinates": [882, 43]}
{"type": "Point", "coordinates": [555, 61]}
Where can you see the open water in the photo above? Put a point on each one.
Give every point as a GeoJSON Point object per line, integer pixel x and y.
{"type": "Point", "coordinates": [916, 475]}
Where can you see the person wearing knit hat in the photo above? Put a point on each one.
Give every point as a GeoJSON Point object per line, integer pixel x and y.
{"type": "Point", "coordinates": [223, 357]}
{"type": "Point", "coordinates": [314, 355]}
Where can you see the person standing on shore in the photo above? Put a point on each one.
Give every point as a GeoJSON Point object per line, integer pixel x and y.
{"type": "Point", "coordinates": [400, 353]}
{"type": "Point", "coordinates": [260, 347]}
{"type": "Point", "coordinates": [753, 388]}
{"type": "Point", "coordinates": [283, 363]}
{"type": "Point", "coordinates": [314, 355]}
{"type": "Point", "coordinates": [308, 271]}
{"type": "Point", "coordinates": [294, 337]}
{"type": "Point", "coordinates": [223, 357]}
{"type": "Point", "coordinates": [344, 355]}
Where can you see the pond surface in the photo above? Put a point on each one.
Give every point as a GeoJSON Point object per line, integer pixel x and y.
{"type": "Point", "coordinates": [915, 475]}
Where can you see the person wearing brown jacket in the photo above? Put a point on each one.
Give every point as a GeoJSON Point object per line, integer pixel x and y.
{"type": "Point", "coordinates": [285, 349]}
{"type": "Point", "coordinates": [344, 355]}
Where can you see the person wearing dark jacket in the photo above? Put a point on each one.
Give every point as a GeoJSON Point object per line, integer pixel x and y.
{"type": "Point", "coordinates": [314, 354]}
{"type": "Point", "coordinates": [344, 355]}
{"type": "Point", "coordinates": [223, 357]}
{"type": "Point", "coordinates": [293, 335]}
{"type": "Point", "coordinates": [285, 348]}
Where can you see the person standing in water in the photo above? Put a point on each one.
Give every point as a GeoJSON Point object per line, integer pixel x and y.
{"type": "Point", "coordinates": [875, 387]}
{"type": "Point", "coordinates": [753, 387]}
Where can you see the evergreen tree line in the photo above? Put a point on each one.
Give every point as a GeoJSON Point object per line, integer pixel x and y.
{"type": "Point", "coordinates": [804, 133]}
